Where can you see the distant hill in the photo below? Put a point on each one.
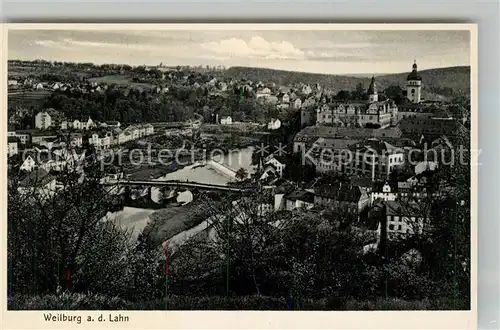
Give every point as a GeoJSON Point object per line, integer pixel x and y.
{"type": "Point", "coordinates": [437, 82]}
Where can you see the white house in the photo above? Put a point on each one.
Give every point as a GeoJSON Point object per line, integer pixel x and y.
{"type": "Point", "coordinates": [297, 103]}
{"type": "Point", "coordinates": [64, 125]}
{"type": "Point", "coordinates": [106, 141]}
{"type": "Point", "coordinates": [142, 131]}
{"type": "Point", "coordinates": [77, 124]}
{"type": "Point", "coordinates": [13, 146]}
{"type": "Point", "coordinates": [76, 139]}
{"type": "Point", "coordinates": [113, 124]}
{"type": "Point", "coordinates": [226, 120]}
{"type": "Point", "coordinates": [43, 120]}
{"type": "Point", "coordinates": [306, 90]}
{"type": "Point", "coordinates": [23, 137]}
{"type": "Point", "coordinates": [278, 162]}
{"type": "Point", "coordinates": [89, 124]}
{"type": "Point", "coordinates": [264, 92]}
{"type": "Point", "coordinates": [28, 164]}
{"type": "Point", "coordinates": [222, 86]}
{"type": "Point", "coordinates": [274, 124]}
{"type": "Point", "coordinates": [375, 158]}
{"type": "Point", "coordinates": [404, 220]}
{"type": "Point", "coordinates": [133, 132]}
{"type": "Point", "coordinates": [299, 199]}
{"type": "Point", "coordinates": [385, 192]}
{"type": "Point", "coordinates": [95, 140]}
{"type": "Point", "coordinates": [38, 138]}
{"type": "Point", "coordinates": [149, 129]}
{"type": "Point", "coordinates": [425, 166]}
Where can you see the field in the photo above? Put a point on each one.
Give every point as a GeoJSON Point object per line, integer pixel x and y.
{"type": "Point", "coordinates": [120, 81]}
{"type": "Point", "coordinates": [27, 98]}
{"type": "Point", "coordinates": [22, 72]}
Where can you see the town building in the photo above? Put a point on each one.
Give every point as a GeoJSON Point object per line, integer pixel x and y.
{"type": "Point", "coordinates": [374, 158]}
{"type": "Point", "coordinates": [76, 139]}
{"type": "Point", "coordinates": [274, 124]}
{"type": "Point", "coordinates": [370, 113]}
{"type": "Point", "coordinates": [28, 163]}
{"type": "Point", "coordinates": [23, 136]}
{"type": "Point", "coordinates": [327, 155]}
{"type": "Point", "coordinates": [39, 137]}
{"type": "Point", "coordinates": [226, 120]}
{"type": "Point", "coordinates": [38, 184]}
{"type": "Point", "coordinates": [383, 191]}
{"type": "Point", "coordinates": [43, 120]}
{"type": "Point", "coordinates": [310, 134]}
{"type": "Point", "coordinates": [13, 143]}
{"type": "Point", "coordinates": [263, 93]}
{"type": "Point", "coordinates": [403, 219]}
{"type": "Point", "coordinates": [342, 198]}
{"type": "Point", "coordinates": [298, 199]}
{"type": "Point", "coordinates": [430, 128]}
{"type": "Point", "coordinates": [274, 165]}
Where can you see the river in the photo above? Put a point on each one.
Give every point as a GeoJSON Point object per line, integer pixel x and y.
{"type": "Point", "coordinates": [136, 219]}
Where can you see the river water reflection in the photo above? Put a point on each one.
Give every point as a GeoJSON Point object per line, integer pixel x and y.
{"type": "Point", "coordinates": [138, 218]}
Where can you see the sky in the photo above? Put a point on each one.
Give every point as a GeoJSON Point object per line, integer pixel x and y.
{"type": "Point", "coordinates": [332, 52]}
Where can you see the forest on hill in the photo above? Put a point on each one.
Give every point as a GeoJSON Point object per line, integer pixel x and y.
{"type": "Point", "coordinates": [442, 81]}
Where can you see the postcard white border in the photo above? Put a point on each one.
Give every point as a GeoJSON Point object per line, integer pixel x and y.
{"type": "Point", "coordinates": [242, 319]}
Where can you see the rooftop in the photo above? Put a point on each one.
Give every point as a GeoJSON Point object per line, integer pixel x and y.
{"type": "Point", "coordinates": [346, 132]}
{"type": "Point", "coordinates": [301, 195]}
{"type": "Point", "coordinates": [37, 177]}
{"type": "Point", "coordinates": [339, 192]}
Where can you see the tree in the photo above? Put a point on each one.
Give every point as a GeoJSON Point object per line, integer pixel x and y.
{"type": "Point", "coordinates": [59, 240]}
{"type": "Point", "coordinates": [241, 174]}
{"type": "Point", "coordinates": [343, 95]}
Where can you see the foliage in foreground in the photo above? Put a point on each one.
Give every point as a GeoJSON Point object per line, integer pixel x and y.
{"type": "Point", "coordinates": [76, 301]}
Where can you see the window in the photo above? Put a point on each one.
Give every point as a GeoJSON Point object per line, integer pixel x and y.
{"type": "Point", "coordinates": [391, 227]}
{"type": "Point", "coordinates": [399, 227]}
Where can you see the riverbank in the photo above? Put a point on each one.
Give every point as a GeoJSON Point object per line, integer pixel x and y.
{"type": "Point", "coordinates": [167, 223]}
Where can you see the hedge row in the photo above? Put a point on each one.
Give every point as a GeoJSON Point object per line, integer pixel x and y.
{"type": "Point", "coordinates": [75, 301]}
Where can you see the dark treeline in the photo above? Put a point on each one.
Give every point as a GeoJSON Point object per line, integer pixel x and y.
{"type": "Point", "coordinates": [178, 104]}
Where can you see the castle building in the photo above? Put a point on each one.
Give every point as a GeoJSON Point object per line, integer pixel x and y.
{"type": "Point", "coordinates": [370, 113]}
{"type": "Point", "coordinates": [414, 85]}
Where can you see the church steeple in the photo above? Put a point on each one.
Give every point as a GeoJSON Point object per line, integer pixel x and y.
{"type": "Point", "coordinates": [414, 85]}
{"type": "Point", "coordinates": [414, 74]}
{"type": "Point", "coordinates": [372, 91]}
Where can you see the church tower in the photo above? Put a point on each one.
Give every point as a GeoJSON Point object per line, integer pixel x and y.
{"type": "Point", "coordinates": [414, 85]}
{"type": "Point", "coordinates": [372, 91]}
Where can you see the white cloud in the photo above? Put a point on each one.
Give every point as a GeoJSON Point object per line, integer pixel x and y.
{"type": "Point", "coordinates": [46, 43]}
{"type": "Point", "coordinates": [256, 47]}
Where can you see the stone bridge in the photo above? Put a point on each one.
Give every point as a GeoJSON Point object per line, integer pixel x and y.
{"type": "Point", "coordinates": [173, 183]}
